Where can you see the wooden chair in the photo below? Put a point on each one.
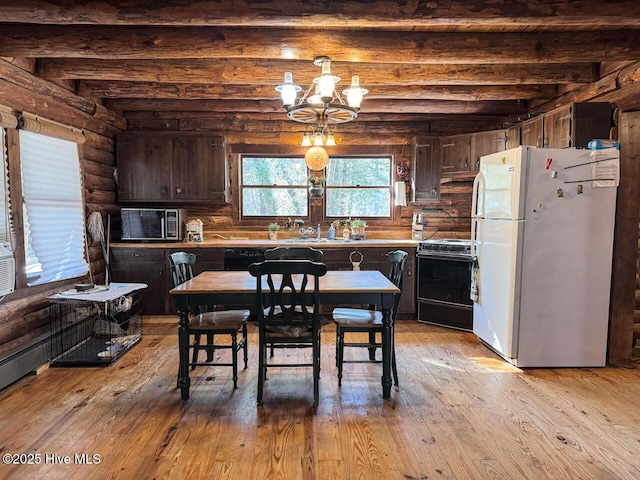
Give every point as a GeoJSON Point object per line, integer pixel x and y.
{"type": "Point", "coordinates": [369, 321]}
{"type": "Point", "coordinates": [211, 323]}
{"type": "Point", "coordinates": [288, 301]}
{"type": "Point", "coordinates": [293, 253]}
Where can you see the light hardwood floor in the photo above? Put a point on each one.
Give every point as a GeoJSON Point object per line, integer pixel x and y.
{"type": "Point", "coordinates": [459, 413]}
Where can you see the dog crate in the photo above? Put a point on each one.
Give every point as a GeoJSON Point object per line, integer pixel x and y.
{"type": "Point", "coordinates": [95, 327]}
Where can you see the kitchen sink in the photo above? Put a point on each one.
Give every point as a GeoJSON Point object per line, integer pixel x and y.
{"type": "Point", "coordinates": [312, 240]}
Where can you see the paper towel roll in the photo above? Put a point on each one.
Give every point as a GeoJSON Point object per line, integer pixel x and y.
{"type": "Point", "coordinates": [400, 194]}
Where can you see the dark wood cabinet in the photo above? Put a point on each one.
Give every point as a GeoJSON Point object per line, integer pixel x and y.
{"type": "Point", "coordinates": [199, 169]}
{"type": "Point", "coordinates": [172, 168]}
{"type": "Point", "coordinates": [484, 143]}
{"type": "Point", "coordinates": [144, 168]}
{"type": "Point", "coordinates": [374, 258]}
{"type": "Point", "coordinates": [425, 168]}
{"type": "Point", "coordinates": [513, 137]}
{"type": "Point", "coordinates": [151, 266]}
{"type": "Point", "coordinates": [575, 124]}
{"type": "Point", "coordinates": [455, 154]}
{"type": "Point", "coordinates": [531, 132]}
{"type": "Point", "coordinates": [142, 265]}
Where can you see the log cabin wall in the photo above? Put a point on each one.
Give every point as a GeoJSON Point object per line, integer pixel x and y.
{"type": "Point", "coordinates": [24, 314]}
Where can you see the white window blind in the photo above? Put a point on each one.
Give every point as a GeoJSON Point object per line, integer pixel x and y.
{"type": "Point", "coordinates": [54, 219]}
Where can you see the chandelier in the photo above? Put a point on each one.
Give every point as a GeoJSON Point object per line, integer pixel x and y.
{"type": "Point", "coordinates": [321, 106]}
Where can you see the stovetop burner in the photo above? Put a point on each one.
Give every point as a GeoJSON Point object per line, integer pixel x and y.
{"type": "Point", "coordinates": [449, 246]}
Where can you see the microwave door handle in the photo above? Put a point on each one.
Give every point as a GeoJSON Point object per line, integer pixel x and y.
{"type": "Point", "coordinates": [162, 223]}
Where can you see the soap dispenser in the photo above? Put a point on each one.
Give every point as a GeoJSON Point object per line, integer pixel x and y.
{"type": "Point", "coordinates": [331, 235]}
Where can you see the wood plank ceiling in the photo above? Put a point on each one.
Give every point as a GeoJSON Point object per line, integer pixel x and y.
{"type": "Point", "coordinates": [431, 67]}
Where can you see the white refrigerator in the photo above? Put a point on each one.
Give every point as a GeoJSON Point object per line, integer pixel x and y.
{"type": "Point", "coordinates": [542, 239]}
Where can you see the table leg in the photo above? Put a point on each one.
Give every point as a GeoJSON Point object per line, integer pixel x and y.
{"type": "Point", "coordinates": [386, 352]}
{"type": "Point", "coordinates": [183, 348]}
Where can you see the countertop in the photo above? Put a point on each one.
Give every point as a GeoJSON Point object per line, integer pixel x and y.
{"type": "Point", "coordinates": [254, 243]}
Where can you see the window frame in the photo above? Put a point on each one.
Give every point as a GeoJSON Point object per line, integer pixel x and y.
{"type": "Point", "coordinates": [390, 216]}
{"type": "Point", "coordinates": [242, 186]}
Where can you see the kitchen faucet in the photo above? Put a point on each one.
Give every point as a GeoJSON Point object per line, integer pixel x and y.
{"type": "Point", "coordinates": [305, 232]}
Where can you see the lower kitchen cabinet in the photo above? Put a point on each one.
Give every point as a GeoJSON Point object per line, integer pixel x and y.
{"type": "Point", "coordinates": [374, 258]}
{"type": "Point", "coordinates": [151, 266]}
{"type": "Point", "coordinates": [142, 265]}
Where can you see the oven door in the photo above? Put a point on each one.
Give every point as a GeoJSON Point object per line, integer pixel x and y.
{"type": "Point", "coordinates": [444, 287]}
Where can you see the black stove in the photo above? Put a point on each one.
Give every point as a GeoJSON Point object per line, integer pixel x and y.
{"type": "Point", "coordinates": [445, 246]}
{"type": "Point", "coordinates": [444, 283]}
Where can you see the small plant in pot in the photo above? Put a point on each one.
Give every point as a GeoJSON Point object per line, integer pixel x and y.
{"type": "Point", "coordinates": [358, 229]}
{"type": "Point", "coordinates": [316, 185]}
{"type": "Point", "coordinates": [273, 231]}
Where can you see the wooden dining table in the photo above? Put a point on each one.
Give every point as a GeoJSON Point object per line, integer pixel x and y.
{"type": "Point", "coordinates": [337, 287]}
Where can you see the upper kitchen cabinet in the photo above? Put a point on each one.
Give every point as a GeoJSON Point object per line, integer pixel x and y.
{"type": "Point", "coordinates": [199, 169]}
{"type": "Point", "coordinates": [171, 168]}
{"type": "Point", "coordinates": [144, 168]}
{"type": "Point", "coordinates": [455, 152]}
{"type": "Point", "coordinates": [513, 137]}
{"type": "Point", "coordinates": [425, 168]}
{"type": "Point", "coordinates": [531, 132]}
{"type": "Point", "coordinates": [575, 124]}
{"type": "Point", "coordinates": [484, 143]}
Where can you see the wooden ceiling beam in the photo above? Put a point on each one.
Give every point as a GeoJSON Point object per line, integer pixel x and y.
{"type": "Point", "coordinates": [123, 89]}
{"type": "Point", "coordinates": [319, 14]}
{"type": "Point", "coordinates": [240, 71]}
{"type": "Point", "coordinates": [101, 42]}
{"type": "Point", "coordinates": [373, 106]}
{"type": "Point", "coordinates": [235, 117]}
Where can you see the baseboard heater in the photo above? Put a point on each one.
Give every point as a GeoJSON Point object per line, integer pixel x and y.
{"type": "Point", "coordinates": [24, 360]}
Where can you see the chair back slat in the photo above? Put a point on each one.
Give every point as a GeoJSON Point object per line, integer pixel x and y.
{"type": "Point", "coordinates": [181, 267]}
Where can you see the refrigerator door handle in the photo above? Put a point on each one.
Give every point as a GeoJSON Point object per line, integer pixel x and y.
{"type": "Point", "coordinates": [478, 184]}
{"type": "Point", "coordinates": [474, 227]}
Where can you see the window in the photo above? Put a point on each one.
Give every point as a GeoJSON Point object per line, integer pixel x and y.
{"type": "Point", "coordinates": [274, 187]}
{"type": "Point", "coordinates": [53, 209]}
{"type": "Point", "coordinates": [359, 187]}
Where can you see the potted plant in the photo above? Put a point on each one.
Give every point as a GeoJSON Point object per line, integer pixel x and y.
{"type": "Point", "coordinates": [358, 229]}
{"type": "Point", "coordinates": [273, 231]}
{"type": "Point", "coordinates": [316, 185]}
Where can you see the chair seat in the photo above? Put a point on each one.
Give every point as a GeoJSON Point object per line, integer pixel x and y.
{"type": "Point", "coordinates": [222, 320]}
{"type": "Point", "coordinates": [355, 317]}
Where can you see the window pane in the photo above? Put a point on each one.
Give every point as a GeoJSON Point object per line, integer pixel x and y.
{"type": "Point", "coordinates": [274, 202]}
{"type": "Point", "coordinates": [276, 198]}
{"type": "Point", "coordinates": [364, 172]}
{"type": "Point", "coordinates": [358, 202]}
{"type": "Point", "coordinates": [54, 214]}
{"type": "Point", "coordinates": [273, 171]}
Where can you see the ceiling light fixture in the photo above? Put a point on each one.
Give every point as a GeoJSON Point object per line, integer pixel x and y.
{"type": "Point", "coordinates": [321, 105]}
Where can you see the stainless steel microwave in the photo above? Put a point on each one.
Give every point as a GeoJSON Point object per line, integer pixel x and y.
{"type": "Point", "coordinates": [164, 224]}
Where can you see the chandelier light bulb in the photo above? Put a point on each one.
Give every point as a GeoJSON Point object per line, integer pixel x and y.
{"type": "Point", "coordinates": [288, 90]}
{"type": "Point", "coordinates": [354, 93]}
{"type": "Point", "coordinates": [317, 140]}
{"type": "Point", "coordinates": [331, 141]}
{"type": "Point", "coordinates": [326, 83]}
{"type": "Point", "coordinates": [306, 140]}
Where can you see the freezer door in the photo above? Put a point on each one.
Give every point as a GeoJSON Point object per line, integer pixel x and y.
{"type": "Point", "coordinates": [496, 313]}
{"type": "Point", "coordinates": [500, 195]}
{"type": "Point", "coordinates": [567, 261]}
